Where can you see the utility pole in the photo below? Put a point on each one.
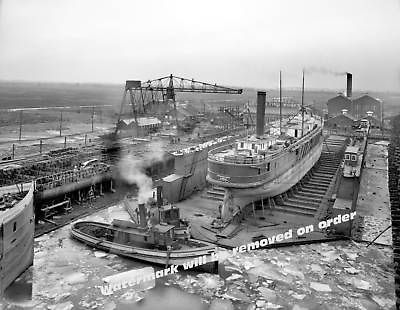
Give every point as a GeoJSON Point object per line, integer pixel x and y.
{"type": "Point", "coordinates": [60, 123]}
{"type": "Point", "coordinates": [382, 118]}
{"type": "Point", "coordinates": [280, 102]}
{"type": "Point", "coordinates": [302, 107]}
{"type": "Point", "coordinates": [92, 117]}
{"type": "Point", "coordinates": [20, 125]}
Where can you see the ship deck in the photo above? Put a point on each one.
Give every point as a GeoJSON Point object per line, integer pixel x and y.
{"type": "Point", "coordinates": [8, 200]}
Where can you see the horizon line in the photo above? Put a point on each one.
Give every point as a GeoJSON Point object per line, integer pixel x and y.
{"type": "Point", "coordinates": [255, 88]}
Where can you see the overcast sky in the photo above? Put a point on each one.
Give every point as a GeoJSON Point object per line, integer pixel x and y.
{"type": "Point", "coordinates": [229, 42]}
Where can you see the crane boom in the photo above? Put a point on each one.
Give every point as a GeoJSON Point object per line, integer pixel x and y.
{"type": "Point", "coordinates": [180, 84]}
{"type": "Point", "coordinates": [144, 94]}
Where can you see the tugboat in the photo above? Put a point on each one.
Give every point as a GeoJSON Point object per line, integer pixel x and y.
{"type": "Point", "coordinates": [156, 235]}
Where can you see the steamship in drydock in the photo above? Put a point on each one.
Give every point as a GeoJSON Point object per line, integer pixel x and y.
{"type": "Point", "coordinates": [268, 163]}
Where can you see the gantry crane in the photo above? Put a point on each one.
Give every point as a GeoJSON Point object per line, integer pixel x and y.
{"type": "Point", "coordinates": [163, 90]}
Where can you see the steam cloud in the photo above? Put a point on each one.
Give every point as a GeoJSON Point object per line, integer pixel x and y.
{"type": "Point", "coordinates": [132, 170]}
{"type": "Point", "coordinates": [323, 70]}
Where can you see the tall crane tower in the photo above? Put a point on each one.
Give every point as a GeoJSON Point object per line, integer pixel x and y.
{"type": "Point", "coordinates": [144, 96]}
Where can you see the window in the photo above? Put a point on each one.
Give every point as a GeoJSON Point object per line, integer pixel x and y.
{"type": "Point", "coordinates": [268, 166]}
{"type": "Point", "coordinates": [15, 226]}
{"type": "Point", "coordinates": [241, 145]}
{"type": "Point", "coordinates": [347, 156]}
{"type": "Point", "coordinates": [353, 157]}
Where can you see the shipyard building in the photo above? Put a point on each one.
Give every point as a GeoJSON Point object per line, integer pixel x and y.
{"type": "Point", "coordinates": [363, 107]}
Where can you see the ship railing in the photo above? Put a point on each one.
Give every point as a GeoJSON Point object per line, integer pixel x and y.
{"type": "Point", "coordinates": [204, 145]}
{"type": "Point", "coordinates": [59, 179]}
{"type": "Point", "coordinates": [216, 155]}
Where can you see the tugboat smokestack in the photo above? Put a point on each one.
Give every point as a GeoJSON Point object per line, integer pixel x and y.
{"type": "Point", "coordinates": [261, 95]}
{"type": "Point", "coordinates": [349, 84]}
{"type": "Point", "coordinates": [142, 215]}
{"type": "Point", "coordinates": [159, 198]}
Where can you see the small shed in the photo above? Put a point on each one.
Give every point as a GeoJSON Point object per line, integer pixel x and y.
{"type": "Point", "coordinates": [146, 123]}
{"type": "Point", "coordinates": [171, 185]}
{"type": "Point", "coordinates": [341, 122]}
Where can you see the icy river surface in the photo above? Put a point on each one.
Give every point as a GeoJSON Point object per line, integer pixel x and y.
{"type": "Point", "coordinates": [338, 275]}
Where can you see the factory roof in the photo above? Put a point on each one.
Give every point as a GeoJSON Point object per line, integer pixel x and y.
{"type": "Point", "coordinates": [365, 98]}
{"type": "Point", "coordinates": [340, 97]}
{"type": "Point", "coordinates": [142, 121]}
{"type": "Point", "coordinates": [352, 149]}
{"type": "Point", "coordinates": [172, 177]}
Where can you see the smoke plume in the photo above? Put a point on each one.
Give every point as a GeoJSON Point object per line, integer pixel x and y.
{"type": "Point", "coordinates": [132, 170]}
{"type": "Point", "coordinates": [322, 70]}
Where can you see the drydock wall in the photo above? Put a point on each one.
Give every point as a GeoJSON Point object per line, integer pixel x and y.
{"type": "Point", "coordinates": [394, 191]}
{"type": "Point", "coordinates": [17, 228]}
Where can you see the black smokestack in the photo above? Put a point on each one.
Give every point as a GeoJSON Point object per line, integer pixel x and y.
{"type": "Point", "coordinates": [349, 84]}
{"type": "Point", "coordinates": [159, 196]}
{"type": "Point", "coordinates": [260, 113]}
{"type": "Point", "coordinates": [142, 215]}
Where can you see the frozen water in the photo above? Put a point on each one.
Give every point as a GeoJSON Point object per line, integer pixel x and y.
{"type": "Point", "coordinates": [320, 287]}
{"type": "Point", "coordinates": [100, 254]}
{"type": "Point", "coordinates": [343, 275]}
{"type": "Point", "coordinates": [63, 306]}
{"type": "Point", "coordinates": [361, 284]}
{"type": "Point", "coordinates": [267, 293]}
{"type": "Point", "coordinates": [75, 278]}
{"type": "Point", "coordinates": [234, 276]}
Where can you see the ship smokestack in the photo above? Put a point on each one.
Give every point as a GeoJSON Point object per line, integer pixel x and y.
{"type": "Point", "coordinates": [261, 95]}
{"type": "Point", "coordinates": [159, 198]}
{"type": "Point", "coordinates": [142, 215]}
{"type": "Point", "coordinates": [349, 84]}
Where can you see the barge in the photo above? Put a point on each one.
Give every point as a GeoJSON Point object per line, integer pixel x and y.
{"type": "Point", "coordinates": [17, 228]}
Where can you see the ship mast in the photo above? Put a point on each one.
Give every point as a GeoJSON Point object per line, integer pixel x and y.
{"type": "Point", "coordinates": [302, 107]}
{"type": "Point", "coordinates": [280, 102]}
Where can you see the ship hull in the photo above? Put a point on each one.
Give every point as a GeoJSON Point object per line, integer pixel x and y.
{"type": "Point", "coordinates": [282, 183]}
{"type": "Point", "coordinates": [17, 228]}
{"type": "Point", "coordinates": [246, 181]}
